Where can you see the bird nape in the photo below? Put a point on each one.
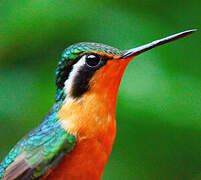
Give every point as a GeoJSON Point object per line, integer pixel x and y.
{"type": "Point", "coordinates": [75, 139]}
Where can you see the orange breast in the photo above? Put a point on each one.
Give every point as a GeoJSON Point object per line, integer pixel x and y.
{"type": "Point", "coordinates": [88, 158]}
{"type": "Point", "coordinates": [85, 162]}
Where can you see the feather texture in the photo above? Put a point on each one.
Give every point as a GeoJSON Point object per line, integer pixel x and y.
{"type": "Point", "coordinates": [38, 152]}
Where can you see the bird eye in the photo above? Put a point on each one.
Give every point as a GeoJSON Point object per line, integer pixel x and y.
{"type": "Point", "coordinates": [92, 60]}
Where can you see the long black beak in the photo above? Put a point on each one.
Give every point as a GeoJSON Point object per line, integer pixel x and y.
{"type": "Point", "coordinates": [141, 49]}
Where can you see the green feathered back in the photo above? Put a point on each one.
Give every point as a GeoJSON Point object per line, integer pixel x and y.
{"type": "Point", "coordinates": [42, 148]}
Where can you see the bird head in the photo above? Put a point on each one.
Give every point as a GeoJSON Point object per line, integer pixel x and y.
{"type": "Point", "coordinates": [96, 68]}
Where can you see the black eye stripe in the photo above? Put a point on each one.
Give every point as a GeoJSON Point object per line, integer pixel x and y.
{"type": "Point", "coordinates": [86, 72]}
{"type": "Point", "coordinates": [81, 82]}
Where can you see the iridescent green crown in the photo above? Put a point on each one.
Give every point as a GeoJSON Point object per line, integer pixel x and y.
{"type": "Point", "coordinates": [74, 50]}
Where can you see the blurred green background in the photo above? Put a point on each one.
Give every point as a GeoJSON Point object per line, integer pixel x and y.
{"type": "Point", "coordinates": [159, 102]}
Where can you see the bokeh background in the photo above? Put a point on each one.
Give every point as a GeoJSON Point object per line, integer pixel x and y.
{"type": "Point", "coordinates": [159, 101]}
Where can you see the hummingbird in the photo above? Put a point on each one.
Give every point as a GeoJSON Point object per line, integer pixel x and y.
{"type": "Point", "coordinates": [75, 139]}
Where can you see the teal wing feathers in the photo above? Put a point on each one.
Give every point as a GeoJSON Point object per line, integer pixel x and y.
{"type": "Point", "coordinates": [38, 152]}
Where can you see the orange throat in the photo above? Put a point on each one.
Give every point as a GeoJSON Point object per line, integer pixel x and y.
{"type": "Point", "coordinates": [92, 120]}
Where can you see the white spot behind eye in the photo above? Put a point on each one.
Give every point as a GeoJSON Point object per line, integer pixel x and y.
{"type": "Point", "coordinates": [76, 67]}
